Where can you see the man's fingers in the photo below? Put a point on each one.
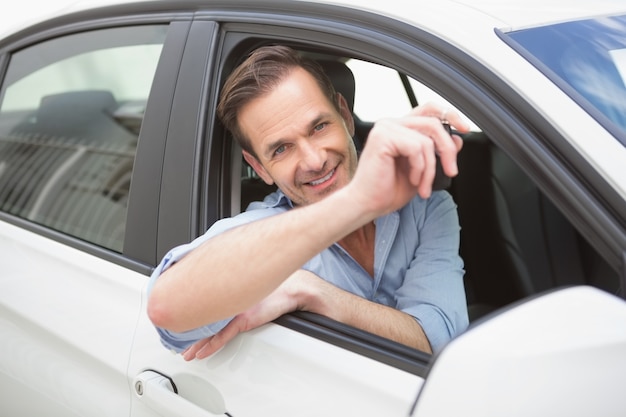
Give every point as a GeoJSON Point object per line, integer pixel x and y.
{"type": "Point", "coordinates": [218, 341]}
{"type": "Point", "coordinates": [442, 113]}
{"type": "Point", "coordinates": [428, 175]}
{"type": "Point", "coordinates": [458, 142]}
{"type": "Point", "coordinates": [210, 348]}
{"type": "Point", "coordinates": [445, 145]}
{"type": "Point", "coordinates": [430, 117]}
{"type": "Point", "coordinates": [448, 156]}
{"type": "Point", "coordinates": [206, 347]}
{"type": "Point", "coordinates": [190, 353]}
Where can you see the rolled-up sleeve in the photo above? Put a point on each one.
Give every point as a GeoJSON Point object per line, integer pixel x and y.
{"type": "Point", "coordinates": [432, 290]}
{"type": "Point", "coordinates": [178, 341]}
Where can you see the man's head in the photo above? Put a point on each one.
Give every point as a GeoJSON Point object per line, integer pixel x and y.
{"type": "Point", "coordinates": [294, 129]}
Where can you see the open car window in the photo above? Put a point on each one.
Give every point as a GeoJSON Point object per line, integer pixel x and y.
{"type": "Point", "coordinates": [381, 93]}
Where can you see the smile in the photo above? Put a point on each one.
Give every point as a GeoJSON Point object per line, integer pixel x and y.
{"type": "Point", "coordinates": [322, 180]}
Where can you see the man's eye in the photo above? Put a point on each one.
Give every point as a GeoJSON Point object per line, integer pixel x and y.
{"type": "Point", "coordinates": [280, 150]}
{"type": "Point", "coordinates": [319, 127]}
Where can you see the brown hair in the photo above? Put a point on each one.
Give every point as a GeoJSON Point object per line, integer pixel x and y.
{"type": "Point", "coordinates": [263, 70]}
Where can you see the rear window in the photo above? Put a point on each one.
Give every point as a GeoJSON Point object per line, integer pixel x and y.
{"type": "Point", "coordinates": [70, 113]}
{"type": "Point", "coordinates": [587, 59]}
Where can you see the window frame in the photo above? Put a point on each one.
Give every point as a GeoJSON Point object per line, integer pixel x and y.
{"type": "Point", "coordinates": [139, 251]}
{"type": "Point", "coordinates": [518, 129]}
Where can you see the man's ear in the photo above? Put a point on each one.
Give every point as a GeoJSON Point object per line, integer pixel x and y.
{"type": "Point", "coordinates": [258, 167]}
{"type": "Point", "coordinates": [345, 112]}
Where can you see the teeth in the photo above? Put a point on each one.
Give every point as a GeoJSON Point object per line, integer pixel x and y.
{"type": "Point", "coordinates": [321, 180]}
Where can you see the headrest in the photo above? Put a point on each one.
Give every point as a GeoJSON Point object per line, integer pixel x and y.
{"type": "Point", "coordinates": [342, 78]}
{"type": "Point", "coordinates": [74, 107]}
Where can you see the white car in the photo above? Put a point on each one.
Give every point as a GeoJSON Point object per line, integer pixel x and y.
{"type": "Point", "coordinates": [110, 155]}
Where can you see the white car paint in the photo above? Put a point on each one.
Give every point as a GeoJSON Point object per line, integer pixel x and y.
{"type": "Point", "coordinates": [43, 283]}
{"type": "Point", "coordinates": [287, 372]}
{"type": "Point", "coordinates": [66, 358]}
{"type": "Point", "coordinates": [82, 364]}
{"type": "Point", "coordinates": [555, 355]}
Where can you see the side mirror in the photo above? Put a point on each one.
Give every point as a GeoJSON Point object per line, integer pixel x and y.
{"type": "Point", "coordinates": [561, 354]}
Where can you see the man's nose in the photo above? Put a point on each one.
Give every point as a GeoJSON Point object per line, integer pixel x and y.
{"type": "Point", "coordinates": [312, 158]}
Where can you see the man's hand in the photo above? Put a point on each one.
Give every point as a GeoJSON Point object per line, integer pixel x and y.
{"type": "Point", "coordinates": [283, 300]}
{"type": "Point", "coordinates": [399, 157]}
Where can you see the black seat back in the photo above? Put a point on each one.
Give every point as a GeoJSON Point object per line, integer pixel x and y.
{"type": "Point", "coordinates": [514, 241]}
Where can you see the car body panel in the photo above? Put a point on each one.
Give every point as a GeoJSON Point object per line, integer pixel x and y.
{"type": "Point", "coordinates": [253, 374]}
{"type": "Point", "coordinates": [49, 349]}
{"type": "Point", "coordinates": [576, 371]}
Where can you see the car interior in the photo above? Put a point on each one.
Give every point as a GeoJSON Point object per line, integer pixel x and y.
{"type": "Point", "coordinates": [514, 242]}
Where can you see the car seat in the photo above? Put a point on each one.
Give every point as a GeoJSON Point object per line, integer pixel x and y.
{"type": "Point", "coordinates": [85, 115]}
{"type": "Point", "coordinates": [515, 243]}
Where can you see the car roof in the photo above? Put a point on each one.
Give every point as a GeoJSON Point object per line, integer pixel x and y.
{"type": "Point", "coordinates": [503, 14]}
{"type": "Point", "coordinates": [517, 14]}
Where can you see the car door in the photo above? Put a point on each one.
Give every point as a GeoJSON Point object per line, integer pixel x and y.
{"type": "Point", "coordinates": [100, 119]}
{"type": "Point", "coordinates": [72, 107]}
{"type": "Point", "coordinates": [300, 365]}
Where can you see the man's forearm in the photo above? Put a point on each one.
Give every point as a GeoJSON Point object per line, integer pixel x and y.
{"type": "Point", "coordinates": [393, 324]}
{"type": "Point", "coordinates": [235, 270]}
{"type": "Point", "coordinates": [328, 300]}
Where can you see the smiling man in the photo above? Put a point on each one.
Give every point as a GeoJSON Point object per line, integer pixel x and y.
{"type": "Point", "coordinates": [365, 242]}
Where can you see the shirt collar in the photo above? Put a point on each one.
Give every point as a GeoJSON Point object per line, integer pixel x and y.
{"type": "Point", "coordinates": [273, 200]}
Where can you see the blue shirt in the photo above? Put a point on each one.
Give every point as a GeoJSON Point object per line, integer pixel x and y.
{"type": "Point", "coordinates": [417, 267]}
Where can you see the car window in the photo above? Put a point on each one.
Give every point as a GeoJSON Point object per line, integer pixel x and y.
{"type": "Point", "coordinates": [587, 58]}
{"type": "Point", "coordinates": [380, 92]}
{"type": "Point", "coordinates": [70, 114]}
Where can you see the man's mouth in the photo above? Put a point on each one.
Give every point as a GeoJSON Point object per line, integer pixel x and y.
{"type": "Point", "coordinates": [323, 179]}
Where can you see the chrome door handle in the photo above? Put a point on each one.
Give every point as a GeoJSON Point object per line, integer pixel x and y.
{"type": "Point", "coordinates": [158, 393]}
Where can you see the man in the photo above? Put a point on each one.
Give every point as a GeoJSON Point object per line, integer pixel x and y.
{"type": "Point", "coordinates": [367, 246]}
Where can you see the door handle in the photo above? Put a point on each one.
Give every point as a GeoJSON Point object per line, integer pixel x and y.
{"type": "Point", "coordinates": [158, 392]}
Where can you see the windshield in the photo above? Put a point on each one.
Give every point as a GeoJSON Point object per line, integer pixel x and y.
{"type": "Point", "coordinates": [587, 59]}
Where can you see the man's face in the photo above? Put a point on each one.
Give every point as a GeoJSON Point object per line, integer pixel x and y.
{"type": "Point", "coordinates": [303, 144]}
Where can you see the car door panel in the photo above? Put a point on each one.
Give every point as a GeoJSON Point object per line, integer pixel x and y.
{"type": "Point", "coordinates": [160, 394]}
{"type": "Point", "coordinates": [66, 328]}
{"type": "Point", "coordinates": [270, 371]}
{"type": "Point", "coordinates": [69, 298]}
